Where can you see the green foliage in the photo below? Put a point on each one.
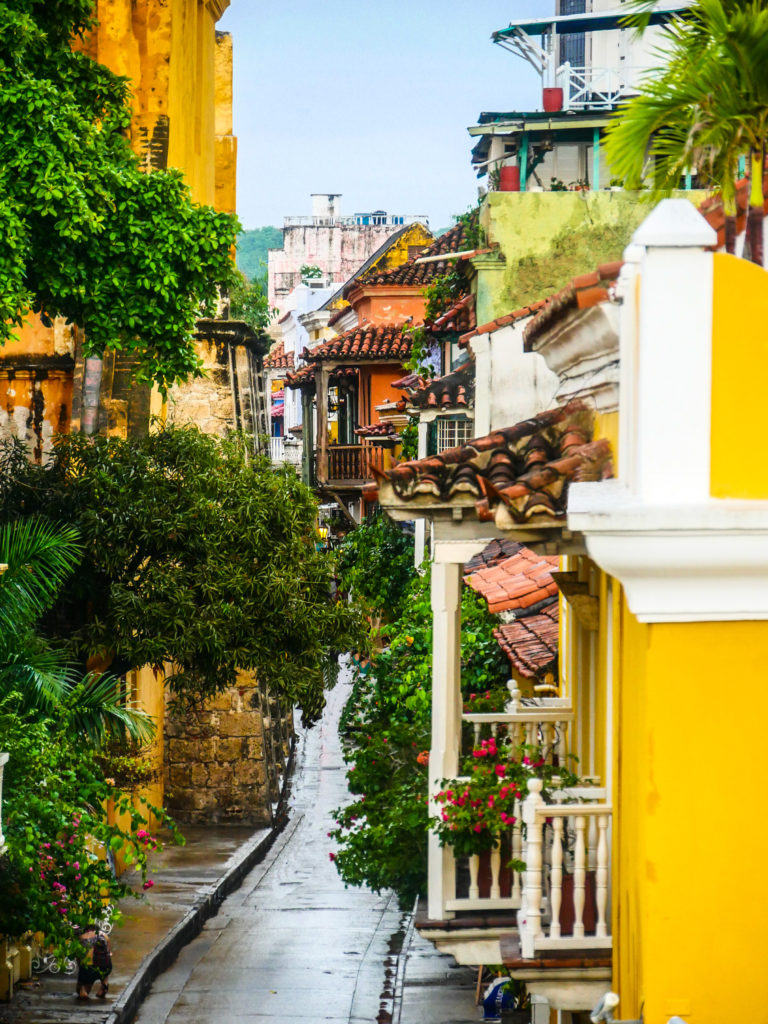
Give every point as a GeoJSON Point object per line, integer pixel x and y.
{"type": "Point", "coordinates": [249, 303]}
{"type": "Point", "coordinates": [309, 272]}
{"type": "Point", "coordinates": [474, 234]}
{"type": "Point", "coordinates": [382, 834]}
{"type": "Point", "coordinates": [194, 553]}
{"type": "Point", "coordinates": [704, 106]}
{"type": "Point", "coordinates": [530, 278]}
{"type": "Point", "coordinates": [55, 876]}
{"type": "Point", "coordinates": [476, 814]}
{"type": "Point", "coordinates": [409, 437]}
{"type": "Point", "coordinates": [376, 565]}
{"type": "Point", "coordinates": [252, 251]}
{"type": "Point", "coordinates": [441, 292]}
{"type": "Point", "coordinates": [39, 557]}
{"type": "Point", "coordinates": [88, 236]}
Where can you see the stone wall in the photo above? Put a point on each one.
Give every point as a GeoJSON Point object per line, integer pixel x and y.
{"type": "Point", "coordinates": [225, 763]}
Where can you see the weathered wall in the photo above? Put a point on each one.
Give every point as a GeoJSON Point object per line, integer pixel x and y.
{"type": "Point", "coordinates": [225, 762]}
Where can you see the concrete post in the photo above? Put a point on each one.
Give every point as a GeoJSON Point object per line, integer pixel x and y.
{"type": "Point", "coordinates": [446, 718]}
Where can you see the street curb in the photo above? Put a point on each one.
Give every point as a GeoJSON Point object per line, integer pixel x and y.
{"type": "Point", "coordinates": [397, 999]}
{"type": "Point", "coordinates": [207, 904]}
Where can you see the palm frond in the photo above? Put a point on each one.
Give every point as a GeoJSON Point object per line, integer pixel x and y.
{"type": "Point", "coordinates": [39, 556]}
{"type": "Point", "coordinates": [100, 712]}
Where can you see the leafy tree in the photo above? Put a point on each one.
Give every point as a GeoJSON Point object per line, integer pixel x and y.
{"type": "Point", "coordinates": [376, 566]}
{"type": "Point", "coordinates": [194, 553]}
{"type": "Point", "coordinates": [382, 833]}
{"type": "Point", "coordinates": [35, 560]}
{"type": "Point", "coordinates": [127, 255]}
{"type": "Point", "coordinates": [249, 303]}
{"type": "Point", "coordinates": [253, 249]}
{"type": "Point", "coordinates": [704, 108]}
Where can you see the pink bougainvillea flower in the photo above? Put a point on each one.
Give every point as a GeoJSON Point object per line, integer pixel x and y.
{"type": "Point", "coordinates": [331, 857]}
{"type": "Point", "coordinates": [148, 884]}
{"type": "Point", "coordinates": [478, 828]}
{"type": "Point", "coordinates": [501, 770]}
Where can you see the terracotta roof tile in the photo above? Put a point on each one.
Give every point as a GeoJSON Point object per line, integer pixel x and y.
{"type": "Point", "coordinates": [369, 341]}
{"type": "Point", "coordinates": [514, 475]}
{"type": "Point", "coordinates": [517, 583]}
{"type": "Point", "coordinates": [278, 358]}
{"type": "Point", "coordinates": [493, 553]}
{"type": "Point", "coordinates": [583, 292]}
{"type": "Point", "coordinates": [384, 429]}
{"type": "Point", "coordinates": [458, 317]}
{"type": "Point", "coordinates": [455, 390]}
{"type": "Point", "coordinates": [414, 273]}
{"type": "Point", "coordinates": [503, 321]}
{"type": "Point", "coordinates": [531, 643]}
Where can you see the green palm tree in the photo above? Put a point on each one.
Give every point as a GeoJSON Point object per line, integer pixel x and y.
{"type": "Point", "coordinates": [36, 557]}
{"type": "Point", "coordinates": [704, 107]}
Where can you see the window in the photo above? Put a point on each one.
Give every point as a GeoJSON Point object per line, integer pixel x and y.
{"type": "Point", "coordinates": [452, 431]}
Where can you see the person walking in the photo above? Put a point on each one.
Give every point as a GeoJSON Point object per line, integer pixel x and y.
{"type": "Point", "coordinates": [97, 963]}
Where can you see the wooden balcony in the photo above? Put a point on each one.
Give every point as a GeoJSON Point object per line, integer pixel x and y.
{"type": "Point", "coordinates": [349, 464]}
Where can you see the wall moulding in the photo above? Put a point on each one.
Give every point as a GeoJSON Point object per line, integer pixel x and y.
{"type": "Point", "coordinates": [697, 563]}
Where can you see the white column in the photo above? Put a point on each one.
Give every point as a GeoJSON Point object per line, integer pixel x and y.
{"type": "Point", "coordinates": [672, 360]}
{"type": "Point", "coordinates": [481, 346]}
{"type": "Point", "coordinates": [446, 718]}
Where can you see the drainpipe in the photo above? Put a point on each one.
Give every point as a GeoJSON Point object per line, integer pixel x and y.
{"type": "Point", "coordinates": [89, 420]}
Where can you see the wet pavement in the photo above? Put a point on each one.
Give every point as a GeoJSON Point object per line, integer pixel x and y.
{"type": "Point", "coordinates": [292, 944]}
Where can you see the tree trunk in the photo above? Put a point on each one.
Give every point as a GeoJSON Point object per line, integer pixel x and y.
{"type": "Point", "coordinates": [729, 208]}
{"type": "Point", "coordinates": [756, 209]}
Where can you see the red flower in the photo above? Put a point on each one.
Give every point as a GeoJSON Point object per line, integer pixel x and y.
{"type": "Point", "coordinates": [331, 857]}
{"type": "Point", "coordinates": [148, 884]}
{"type": "Point", "coordinates": [501, 770]}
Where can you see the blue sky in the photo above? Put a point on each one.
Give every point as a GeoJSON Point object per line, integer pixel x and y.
{"type": "Point", "coordinates": [369, 99]}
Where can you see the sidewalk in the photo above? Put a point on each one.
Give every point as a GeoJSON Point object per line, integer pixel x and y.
{"type": "Point", "coordinates": [432, 988]}
{"type": "Point", "coordinates": [190, 883]}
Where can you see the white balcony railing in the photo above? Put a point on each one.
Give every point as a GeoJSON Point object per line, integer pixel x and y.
{"type": "Point", "coordinates": [3, 762]}
{"type": "Point", "coordinates": [358, 220]}
{"type": "Point", "coordinates": [284, 451]}
{"type": "Point", "coordinates": [483, 882]}
{"type": "Point", "coordinates": [595, 88]}
{"type": "Point", "coordinates": [566, 882]}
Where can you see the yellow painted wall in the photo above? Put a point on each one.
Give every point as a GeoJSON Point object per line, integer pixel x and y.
{"type": "Point", "coordinates": [738, 467]}
{"type": "Point", "coordinates": [690, 822]}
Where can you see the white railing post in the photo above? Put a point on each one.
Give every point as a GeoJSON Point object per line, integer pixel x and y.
{"type": "Point", "coordinates": [579, 877]}
{"type": "Point", "coordinates": [496, 873]}
{"type": "Point", "coordinates": [556, 878]}
{"type": "Point", "coordinates": [474, 869]}
{"type": "Point", "coordinates": [530, 928]}
{"type": "Point", "coordinates": [3, 762]}
{"type": "Point", "coordinates": [601, 876]}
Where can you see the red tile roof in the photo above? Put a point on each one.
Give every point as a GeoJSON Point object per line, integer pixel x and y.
{"type": "Point", "coordinates": [278, 358]}
{"type": "Point", "coordinates": [338, 314]}
{"type": "Point", "coordinates": [520, 582]}
{"type": "Point", "coordinates": [383, 429]}
{"type": "Point", "coordinates": [531, 643]}
{"type": "Point", "coordinates": [514, 475]}
{"type": "Point", "coordinates": [454, 390]}
{"type": "Point", "coordinates": [493, 553]}
{"type": "Point", "coordinates": [458, 317]}
{"type": "Point", "coordinates": [583, 291]}
{"type": "Point", "coordinates": [415, 273]}
{"type": "Point", "coordinates": [503, 321]}
{"type": "Point", "coordinates": [370, 341]}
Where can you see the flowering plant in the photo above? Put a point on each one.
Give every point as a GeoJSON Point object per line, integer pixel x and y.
{"type": "Point", "coordinates": [479, 808]}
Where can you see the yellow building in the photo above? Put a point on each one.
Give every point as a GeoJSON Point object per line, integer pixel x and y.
{"type": "Point", "coordinates": [652, 490]}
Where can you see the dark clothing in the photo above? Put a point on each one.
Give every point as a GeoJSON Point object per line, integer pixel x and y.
{"type": "Point", "coordinates": [98, 965]}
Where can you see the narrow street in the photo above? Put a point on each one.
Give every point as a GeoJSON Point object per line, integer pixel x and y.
{"type": "Point", "coordinates": [292, 943]}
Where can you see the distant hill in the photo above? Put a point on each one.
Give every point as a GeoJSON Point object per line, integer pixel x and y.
{"type": "Point", "coordinates": [252, 249]}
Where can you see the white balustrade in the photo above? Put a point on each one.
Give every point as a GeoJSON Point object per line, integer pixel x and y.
{"type": "Point", "coordinates": [3, 762]}
{"type": "Point", "coordinates": [560, 835]}
{"type": "Point", "coordinates": [596, 88]}
{"type": "Point", "coordinates": [285, 450]}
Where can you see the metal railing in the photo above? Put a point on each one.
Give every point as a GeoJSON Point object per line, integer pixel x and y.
{"type": "Point", "coordinates": [359, 220]}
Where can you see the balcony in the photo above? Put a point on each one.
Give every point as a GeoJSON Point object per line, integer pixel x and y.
{"type": "Point", "coordinates": [285, 451]}
{"type": "Point", "coordinates": [349, 465]}
{"type": "Point", "coordinates": [560, 903]}
{"type": "Point", "coordinates": [595, 88]}
{"type": "Point", "coordinates": [358, 220]}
